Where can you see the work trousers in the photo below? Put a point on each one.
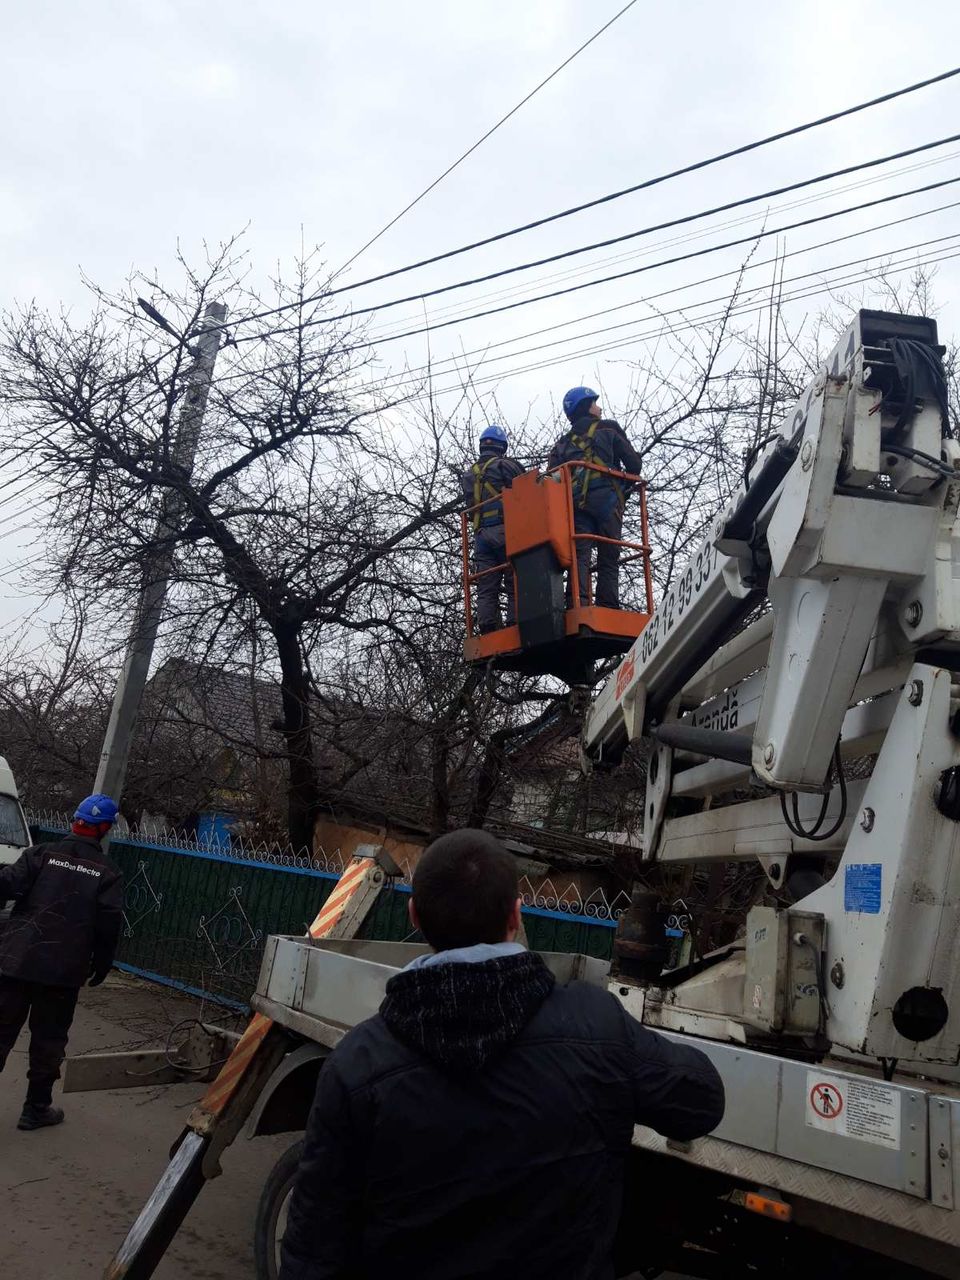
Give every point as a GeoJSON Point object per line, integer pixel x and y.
{"type": "Point", "coordinates": [489, 550]}
{"type": "Point", "coordinates": [602, 514]}
{"type": "Point", "coordinates": [51, 1011]}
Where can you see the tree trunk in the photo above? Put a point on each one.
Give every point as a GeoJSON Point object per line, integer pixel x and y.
{"type": "Point", "coordinates": [440, 755]}
{"type": "Point", "coordinates": [303, 783]}
{"type": "Point", "coordinates": [439, 780]}
{"type": "Point", "coordinates": [488, 779]}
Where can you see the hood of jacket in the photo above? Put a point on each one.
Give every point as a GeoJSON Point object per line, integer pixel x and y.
{"type": "Point", "coordinates": [461, 1016]}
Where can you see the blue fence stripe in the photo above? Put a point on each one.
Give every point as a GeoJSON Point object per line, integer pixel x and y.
{"type": "Point", "coordinates": [224, 857]}
{"type": "Point", "coordinates": [182, 986]}
{"type": "Point", "coordinates": [567, 915]}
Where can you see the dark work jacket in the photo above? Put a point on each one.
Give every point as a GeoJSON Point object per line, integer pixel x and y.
{"type": "Point", "coordinates": [477, 1129]}
{"type": "Point", "coordinates": [499, 472]}
{"type": "Point", "coordinates": [609, 446]}
{"type": "Point", "coordinates": [66, 920]}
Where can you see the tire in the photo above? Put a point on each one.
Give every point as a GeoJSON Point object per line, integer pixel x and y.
{"type": "Point", "coordinates": [271, 1218]}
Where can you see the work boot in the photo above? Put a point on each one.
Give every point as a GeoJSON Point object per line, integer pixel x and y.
{"type": "Point", "coordinates": [38, 1115]}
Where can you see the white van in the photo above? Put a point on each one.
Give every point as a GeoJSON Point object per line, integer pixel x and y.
{"type": "Point", "coordinates": [14, 836]}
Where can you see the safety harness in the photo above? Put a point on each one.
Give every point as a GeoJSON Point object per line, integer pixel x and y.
{"type": "Point", "coordinates": [483, 491]}
{"type": "Point", "coordinates": [582, 475]}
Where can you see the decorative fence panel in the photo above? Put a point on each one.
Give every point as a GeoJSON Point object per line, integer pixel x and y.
{"type": "Point", "coordinates": [197, 919]}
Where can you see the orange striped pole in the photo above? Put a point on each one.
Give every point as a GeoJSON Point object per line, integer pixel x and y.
{"type": "Point", "coordinates": [233, 1072]}
{"type": "Point", "coordinates": [331, 913]}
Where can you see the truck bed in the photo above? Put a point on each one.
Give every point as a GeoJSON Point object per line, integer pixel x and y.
{"type": "Point", "coordinates": [862, 1159]}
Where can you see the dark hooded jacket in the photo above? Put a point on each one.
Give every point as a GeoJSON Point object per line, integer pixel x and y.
{"type": "Point", "coordinates": [68, 910]}
{"type": "Point", "coordinates": [478, 1127]}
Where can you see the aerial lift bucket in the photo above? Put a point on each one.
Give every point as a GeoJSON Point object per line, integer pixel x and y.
{"type": "Point", "coordinates": [554, 633]}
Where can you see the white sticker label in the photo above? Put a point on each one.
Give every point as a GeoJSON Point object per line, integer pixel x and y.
{"type": "Point", "coordinates": [861, 1109]}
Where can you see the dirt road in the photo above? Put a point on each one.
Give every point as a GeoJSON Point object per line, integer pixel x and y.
{"type": "Point", "coordinates": [68, 1195]}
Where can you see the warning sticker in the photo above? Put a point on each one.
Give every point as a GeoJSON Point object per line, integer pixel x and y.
{"type": "Point", "coordinates": [826, 1100]}
{"type": "Point", "coordinates": [862, 884]}
{"type": "Point", "coordinates": [861, 1109]}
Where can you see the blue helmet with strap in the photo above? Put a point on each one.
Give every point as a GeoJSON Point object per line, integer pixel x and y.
{"type": "Point", "coordinates": [94, 809]}
{"type": "Point", "coordinates": [494, 436]}
{"type": "Point", "coordinates": [575, 398]}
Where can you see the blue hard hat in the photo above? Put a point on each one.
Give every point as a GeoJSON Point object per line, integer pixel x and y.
{"type": "Point", "coordinates": [94, 809]}
{"type": "Point", "coordinates": [575, 398]}
{"type": "Point", "coordinates": [494, 432]}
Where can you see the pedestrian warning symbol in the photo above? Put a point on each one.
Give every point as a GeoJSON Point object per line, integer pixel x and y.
{"type": "Point", "coordinates": [826, 1100]}
{"type": "Point", "coordinates": [864, 1109]}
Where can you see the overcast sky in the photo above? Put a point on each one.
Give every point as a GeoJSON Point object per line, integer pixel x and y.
{"type": "Point", "coordinates": [131, 125]}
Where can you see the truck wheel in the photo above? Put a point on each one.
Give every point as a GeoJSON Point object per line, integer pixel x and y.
{"type": "Point", "coordinates": [272, 1213]}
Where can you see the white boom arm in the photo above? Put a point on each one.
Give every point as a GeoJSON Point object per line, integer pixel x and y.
{"type": "Point", "coordinates": [844, 545]}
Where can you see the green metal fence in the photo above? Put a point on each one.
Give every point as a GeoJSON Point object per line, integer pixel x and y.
{"type": "Point", "coordinates": [197, 918]}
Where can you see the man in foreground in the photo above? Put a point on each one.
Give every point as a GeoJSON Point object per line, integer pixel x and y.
{"type": "Point", "coordinates": [63, 930]}
{"type": "Point", "coordinates": [478, 1126]}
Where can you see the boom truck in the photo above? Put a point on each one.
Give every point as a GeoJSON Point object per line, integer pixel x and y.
{"type": "Point", "coordinates": [796, 693]}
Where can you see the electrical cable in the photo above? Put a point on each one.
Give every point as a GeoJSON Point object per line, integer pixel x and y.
{"type": "Point", "coordinates": [924, 459]}
{"type": "Point", "coordinates": [616, 195]}
{"type": "Point", "coordinates": [243, 373]}
{"type": "Point", "coordinates": [171, 1062]}
{"type": "Point", "coordinates": [738, 271]}
{"type": "Point", "coordinates": [908, 357]}
{"type": "Point", "coordinates": [795, 825]}
{"type": "Point", "coordinates": [410, 375]}
{"type": "Point", "coordinates": [470, 150]}
{"type": "Point", "coordinates": [823, 997]}
{"type": "Point", "coordinates": [602, 244]}
{"type": "Point", "coordinates": [514, 290]}
{"type": "Point", "coordinates": [666, 330]}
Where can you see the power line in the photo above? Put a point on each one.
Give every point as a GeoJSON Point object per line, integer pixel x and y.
{"type": "Point", "coordinates": [664, 262]}
{"type": "Point", "coordinates": [570, 273]}
{"type": "Point", "coordinates": [470, 150]}
{"type": "Point", "coordinates": [403, 378]}
{"type": "Point", "coordinates": [392, 333]}
{"type": "Point", "coordinates": [669, 329]}
{"type": "Point", "coordinates": [675, 289]}
{"type": "Point", "coordinates": [616, 195]}
{"type": "Point", "coordinates": [602, 244]}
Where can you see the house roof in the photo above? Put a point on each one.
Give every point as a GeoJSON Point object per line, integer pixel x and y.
{"type": "Point", "coordinates": [243, 710]}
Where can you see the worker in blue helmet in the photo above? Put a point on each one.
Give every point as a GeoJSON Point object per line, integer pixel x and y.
{"type": "Point", "coordinates": [598, 499]}
{"type": "Point", "coordinates": [482, 483]}
{"type": "Point", "coordinates": [63, 931]}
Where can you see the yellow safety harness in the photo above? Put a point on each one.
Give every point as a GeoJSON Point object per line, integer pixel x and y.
{"type": "Point", "coordinates": [582, 475]}
{"type": "Point", "coordinates": [483, 491]}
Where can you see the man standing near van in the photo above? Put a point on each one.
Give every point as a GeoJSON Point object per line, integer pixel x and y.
{"type": "Point", "coordinates": [63, 930]}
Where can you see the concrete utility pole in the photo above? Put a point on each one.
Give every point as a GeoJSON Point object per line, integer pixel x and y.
{"type": "Point", "coordinates": [133, 678]}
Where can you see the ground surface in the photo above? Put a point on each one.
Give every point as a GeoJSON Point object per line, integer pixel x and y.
{"type": "Point", "coordinates": [68, 1195]}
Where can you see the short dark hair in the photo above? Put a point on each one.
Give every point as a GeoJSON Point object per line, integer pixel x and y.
{"type": "Point", "coordinates": [464, 888]}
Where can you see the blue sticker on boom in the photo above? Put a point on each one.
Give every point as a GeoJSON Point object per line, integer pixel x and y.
{"type": "Point", "coordinates": [861, 887]}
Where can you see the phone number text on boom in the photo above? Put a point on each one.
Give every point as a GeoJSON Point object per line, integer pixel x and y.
{"type": "Point", "coordinates": [678, 599]}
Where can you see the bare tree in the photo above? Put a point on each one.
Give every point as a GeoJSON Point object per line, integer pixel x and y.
{"type": "Point", "coordinates": [305, 495]}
